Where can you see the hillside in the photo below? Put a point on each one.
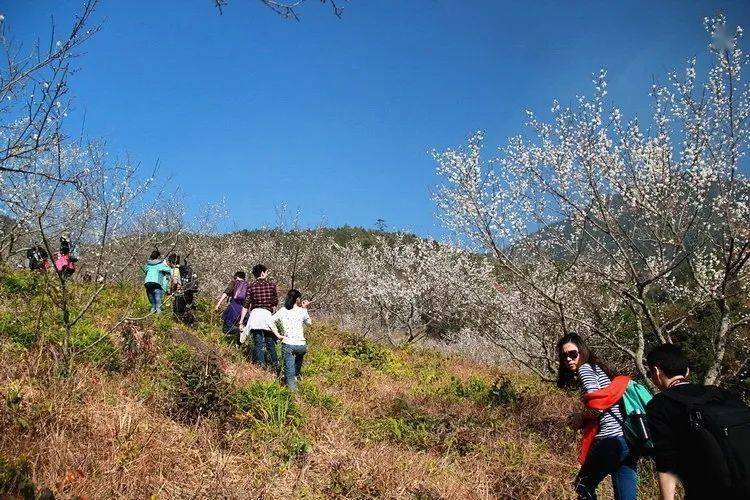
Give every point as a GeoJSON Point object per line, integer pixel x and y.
{"type": "Point", "coordinates": [152, 409]}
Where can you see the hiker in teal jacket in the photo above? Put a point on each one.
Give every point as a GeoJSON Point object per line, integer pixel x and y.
{"type": "Point", "coordinates": [156, 281]}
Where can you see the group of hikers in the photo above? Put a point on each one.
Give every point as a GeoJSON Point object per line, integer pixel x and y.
{"type": "Point", "coordinates": [171, 276]}
{"type": "Point", "coordinates": [252, 310]}
{"type": "Point", "coordinates": [698, 435]}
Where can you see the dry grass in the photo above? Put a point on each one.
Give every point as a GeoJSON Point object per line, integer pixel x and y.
{"type": "Point", "coordinates": [417, 425]}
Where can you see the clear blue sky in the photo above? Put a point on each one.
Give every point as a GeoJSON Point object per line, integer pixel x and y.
{"type": "Point", "coordinates": [336, 116]}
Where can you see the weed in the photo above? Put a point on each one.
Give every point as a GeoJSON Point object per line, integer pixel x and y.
{"type": "Point", "coordinates": [405, 425]}
{"type": "Point", "coordinates": [503, 393]}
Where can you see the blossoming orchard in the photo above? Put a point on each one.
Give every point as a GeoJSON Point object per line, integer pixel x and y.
{"type": "Point", "coordinates": [633, 232]}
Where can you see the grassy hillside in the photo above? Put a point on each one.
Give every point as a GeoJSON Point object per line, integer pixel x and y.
{"type": "Point", "coordinates": [152, 409]}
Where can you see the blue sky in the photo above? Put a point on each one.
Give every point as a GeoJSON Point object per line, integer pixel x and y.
{"type": "Point", "coordinates": [335, 117]}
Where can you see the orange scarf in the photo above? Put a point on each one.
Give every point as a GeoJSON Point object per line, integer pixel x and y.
{"type": "Point", "coordinates": [603, 399]}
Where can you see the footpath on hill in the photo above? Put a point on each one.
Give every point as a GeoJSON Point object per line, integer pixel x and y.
{"type": "Point", "coordinates": [154, 409]}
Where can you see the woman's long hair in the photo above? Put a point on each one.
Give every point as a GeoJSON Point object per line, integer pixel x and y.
{"type": "Point", "coordinates": [567, 378]}
{"type": "Point", "coordinates": [291, 298]}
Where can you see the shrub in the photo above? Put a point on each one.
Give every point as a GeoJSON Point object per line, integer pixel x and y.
{"type": "Point", "coordinates": [405, 425]}
{"type": "Point", "coordinates": [474, 388]}
{"type": "Point", "coordinates": [503, 393]}
{"type": "Point", "coordinates": [266, 402]}
{"type": "Point", "coordinates": [199, 390]}
{"type": "Point", "coordinates": [366, 350]}
{"type": "Point", "coordinates": [15, 478]}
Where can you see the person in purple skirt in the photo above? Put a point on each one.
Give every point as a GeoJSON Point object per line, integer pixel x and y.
{"type": "Point", "coordinates": [235, 293]}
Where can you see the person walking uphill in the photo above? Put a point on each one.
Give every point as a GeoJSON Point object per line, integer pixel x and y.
{"type": "Point", "coordinates": [292, 317]}
{"type": "Point", "coordinates": [262, 298]}
{"type": "Point", "coordinates": [156, 280]}
{"type": "Point", "coordinates": [235, 293]}
{"type": "Point", "coordinates": [701, 433]}
{"type": "Point", "coordinates": [604, 450]}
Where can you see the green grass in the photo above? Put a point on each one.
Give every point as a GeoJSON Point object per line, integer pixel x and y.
{"type": "Point", "coordinates": [316, 397]}
{"type": "Point", "coordinates": [267, 403]}
{"type": "Point", "coordinates": [16, 331]}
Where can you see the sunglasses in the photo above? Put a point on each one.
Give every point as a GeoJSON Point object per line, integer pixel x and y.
{"type": "Point", "coordinates": [572, 355]}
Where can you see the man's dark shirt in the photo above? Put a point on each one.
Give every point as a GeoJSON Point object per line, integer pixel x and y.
{"type": "Point", "coordinates": [261, 293]}
{"type": "Point", "coordinates": [668, 423]}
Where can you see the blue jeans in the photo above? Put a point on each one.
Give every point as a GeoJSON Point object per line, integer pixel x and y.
{"type": "Point", "coordinates": [608, 456]}
{"type": "Point", "coordinates": [265, 340]}
{"type": "Point", "coordinates": [155, 296]}
{"type": "Point", "coordinates": [293, 355]}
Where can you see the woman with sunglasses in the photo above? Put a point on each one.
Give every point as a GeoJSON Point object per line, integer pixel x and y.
{"type": "Point", "coordinates": [608, 454]}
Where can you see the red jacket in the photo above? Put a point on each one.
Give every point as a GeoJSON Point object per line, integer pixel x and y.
{"type": "Point", "coordinates": [602, 399]}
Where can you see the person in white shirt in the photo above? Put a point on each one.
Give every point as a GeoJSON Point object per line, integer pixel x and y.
{"type": "Point", "coordinates": [288, 324]}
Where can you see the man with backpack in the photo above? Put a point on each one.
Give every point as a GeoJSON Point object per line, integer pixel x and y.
{"type": "Point", "coordinates": [235, 293]}
{"type": "Point", "coordinates": [701, 434]}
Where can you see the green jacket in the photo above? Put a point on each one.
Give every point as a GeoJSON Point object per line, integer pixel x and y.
{"type": "Point", "coordinates": [157, 272]}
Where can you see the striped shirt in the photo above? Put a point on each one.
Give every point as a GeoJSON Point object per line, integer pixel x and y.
{"type": "Point", "coordinates": [592, 379]}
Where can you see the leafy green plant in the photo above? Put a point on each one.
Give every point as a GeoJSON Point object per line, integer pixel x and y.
{"type": "Point", "coordinates": [503, 393]}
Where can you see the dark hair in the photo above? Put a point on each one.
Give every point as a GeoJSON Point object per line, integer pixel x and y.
{"type": "Point", "coordinates": [155, 254]}
{"type": "Point", "coordinates": [565, 377]}
{"type": "Point", "coordinates": [669, 358]}
{"type": "Point", "coordinates": [291, 298]}
{"type": "Point", "coordinates": [240, 274]}
{"type": "Point", "coordinates": [173, 259]}
{"type": "Point", "coordinates": [259, 269]}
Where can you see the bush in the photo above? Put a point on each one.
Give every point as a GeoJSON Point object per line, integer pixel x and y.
{"type": "Point", "coordinates": [200, 390]}
{"type": "Point", "coordinates": [15, 478]}
{"type": "Point", "coordinates": [405, 425]}
{"type": "Point", "coordinates": [266, 402]}
{"type": "Point", "coordinates": [503, 393]}
{"type": "Point", "coordinates": [366, 350]}
{"type": "Point", "coordinates": [474, 388]}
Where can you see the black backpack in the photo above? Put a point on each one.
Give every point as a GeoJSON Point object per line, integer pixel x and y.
{"type": "Point", "coordinates": [189, 281]}
{"type": "Point", "coordinates": [719, 430]}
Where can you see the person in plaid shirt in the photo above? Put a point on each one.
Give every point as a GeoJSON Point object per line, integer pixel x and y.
{"type": "Point", "coordinates": [261, 301]}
